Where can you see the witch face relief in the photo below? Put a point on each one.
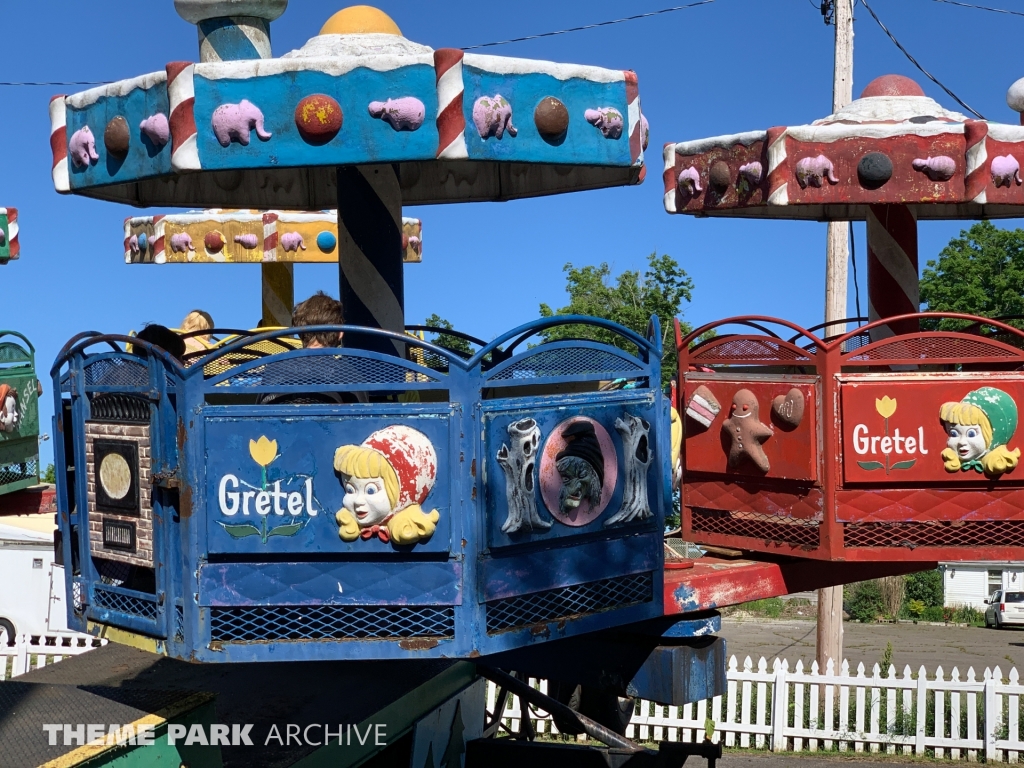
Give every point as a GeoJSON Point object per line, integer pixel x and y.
{"type": "Point", "coordinates": [966, 440]}
{"type": "Point", "coordinates": [366, 498]}
{"type": "Point", "coordinates": [579, 482]}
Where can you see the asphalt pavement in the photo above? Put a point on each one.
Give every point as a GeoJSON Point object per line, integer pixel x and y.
{"type": "Point", "coordinates": [913, 644]}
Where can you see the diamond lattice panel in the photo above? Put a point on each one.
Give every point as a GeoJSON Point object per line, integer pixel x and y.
{"type": "Point", "coordinates": [921, 505]}
{"type": "Point", "coordinates": [329, 622]}
{"type": "Point", "coordinates": [561, 603]}
{"type": "Point", "coordinates": [737, 497]}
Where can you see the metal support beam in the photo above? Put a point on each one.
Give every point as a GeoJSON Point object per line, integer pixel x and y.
{"type": "Point", "coordinates": [548, 704]}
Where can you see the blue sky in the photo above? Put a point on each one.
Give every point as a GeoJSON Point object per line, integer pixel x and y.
{"type": "Point", "coordinates": [725, 67]}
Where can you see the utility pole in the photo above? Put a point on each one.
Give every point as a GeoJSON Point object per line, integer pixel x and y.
{"type": "Point", "coordinates": [830, 599]}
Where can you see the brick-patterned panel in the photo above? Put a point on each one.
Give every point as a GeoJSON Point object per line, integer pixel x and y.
{"type": "Point", "coordinates": [138, 434]}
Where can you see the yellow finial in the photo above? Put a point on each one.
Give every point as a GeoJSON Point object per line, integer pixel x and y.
{"type": "Point", "coordinates": [360, 19]}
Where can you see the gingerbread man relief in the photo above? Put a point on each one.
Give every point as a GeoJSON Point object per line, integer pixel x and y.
{"type": "Point", "coordinates": [744, 433]}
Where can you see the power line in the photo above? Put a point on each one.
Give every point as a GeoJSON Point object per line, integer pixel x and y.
{"type": "Point", "coordinates": [59, 82]}
{"type": "Point", "coordinates": [590, 26]}
{"type": "Point", "coordinates": [467, 48]}
{"type": "Point", "coordinates": [981, 7]}
{"type": "Point", "coordinates": [913, 61]}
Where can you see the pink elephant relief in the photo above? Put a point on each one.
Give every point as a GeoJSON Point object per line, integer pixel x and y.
{"type": "Point", "coordinates": [181, 243]}
{"type": "Point", "coordinates": [156, 129]}
{"type": "Point", "coordinates": [811, 171]}
{"type": "Point", "coordinates": [608, 120]}
{"type": "Point", "coordinates": [292, 241]}
{"type": "Point", "coordinates": [233, 122]}
{"type": "Point", "coordinates": [752, 172]}
{"type": "Point", "coordinates": [1005, 171]}
{"type": "Point", "coordinates": [82, 148]}
{"type": "Point", "coordinates": [492, 116]}
{"type": "Point", "coordinates": [689, 181]}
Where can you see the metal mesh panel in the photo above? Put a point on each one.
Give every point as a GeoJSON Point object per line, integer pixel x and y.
{"type": "Point", "coordinates": [787, 530]}
{"type": "Point", "coordinates": [129, 409]}
{"type": "Point", "coordinates": [856, 342]}
{"type": "Point", "coordinates": [133, 606]}
{"type": "Point", "coordinates": [677, 549]}
{"type": "Point", "coordinates": [112, 572]}
{"type": "Point", "coordinates": [330, 622]}
{"type": "Point", "coordinates": [13, 473]}
{"type": "Point", "coordinates": [932, 348]}
{"type": "Point", "coordinates": [1011, 339]}
{"type": "Point", "coordinates": [76, 595]}
{"type": "Point", "coordinates": [577, 600]}
{"type": "Point", "coordinates": [754, 350]}
{"type": "Point", "coordinates": [324, 370]}
{"type": "Point", "coordinates": [116, 372]}
{"type": "Point", "coordinates": [179, 623]}
{"type": "Point", "coordinates": [573, 361]}
{"type": "Point", "coordinates": [981, 533]}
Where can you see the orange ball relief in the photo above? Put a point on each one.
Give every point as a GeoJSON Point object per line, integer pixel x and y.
{"type": "Point", "coordinates": [319, 118]}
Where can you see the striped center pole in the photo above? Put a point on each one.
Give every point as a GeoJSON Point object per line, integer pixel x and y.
{"type": "Point", "coordinates": [370, 253]}
{"type": "Point", "coordinates": [237, 38]}
{"type": "Point", "coordinates": [234, 38]}
{"type": "Point", "coordinates": [893, 284]}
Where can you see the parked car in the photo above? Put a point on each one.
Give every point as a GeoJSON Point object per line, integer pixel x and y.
{"type": "Point", "coordinates": [1004, 608]}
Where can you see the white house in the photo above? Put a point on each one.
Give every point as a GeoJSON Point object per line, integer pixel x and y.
{"type": "Point", "coordinates": [971, 583]}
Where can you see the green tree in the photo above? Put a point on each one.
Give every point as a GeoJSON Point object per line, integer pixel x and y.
{"type": "Point", "coordinates": [926, 587]}
{"type": "Point", "coordinates": [630, 300]}
{"type": "Point", "coordinates": [981, 272]}
{"type": "Point", "coordinates": [50, 475]}
{"type": "Point", "coordinates": [866, 601]}
{"type": "Point", "coordinates": [456, 344]}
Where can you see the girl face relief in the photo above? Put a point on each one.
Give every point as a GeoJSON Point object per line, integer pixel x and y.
{"type": "Point", "coordinates": [967, 440]}
{"type": "Point", "coordinates": [366, 498]}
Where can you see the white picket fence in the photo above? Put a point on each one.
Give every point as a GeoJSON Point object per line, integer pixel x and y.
{"type": "Point", "coordinates": [32, 652]}
{"type": "Point", "coordinates": [949, 718]}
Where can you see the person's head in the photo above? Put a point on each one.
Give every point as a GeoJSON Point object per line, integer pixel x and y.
{"type": "Point", "coordinates": [319, 309]}
{"type": "Point", "coordinates": [196, 320]}
{"type": "Point", "coordinates": [163, 337]}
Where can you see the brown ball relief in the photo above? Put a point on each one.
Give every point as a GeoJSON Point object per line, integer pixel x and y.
{"type": "Point", "coordinates": [117, 138]}
{"type": "Point", "coordinates": [720, 177]}
{"type": "Point", "coordinates": [551, 118]}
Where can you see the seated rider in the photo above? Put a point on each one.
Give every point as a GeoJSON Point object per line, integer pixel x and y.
{"type": "Point", "coordinates": [197, 320]}
{"type": "Point", "coordinates": [163, 337]}
{"type": "Point", "coordinates": [318, 309]}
